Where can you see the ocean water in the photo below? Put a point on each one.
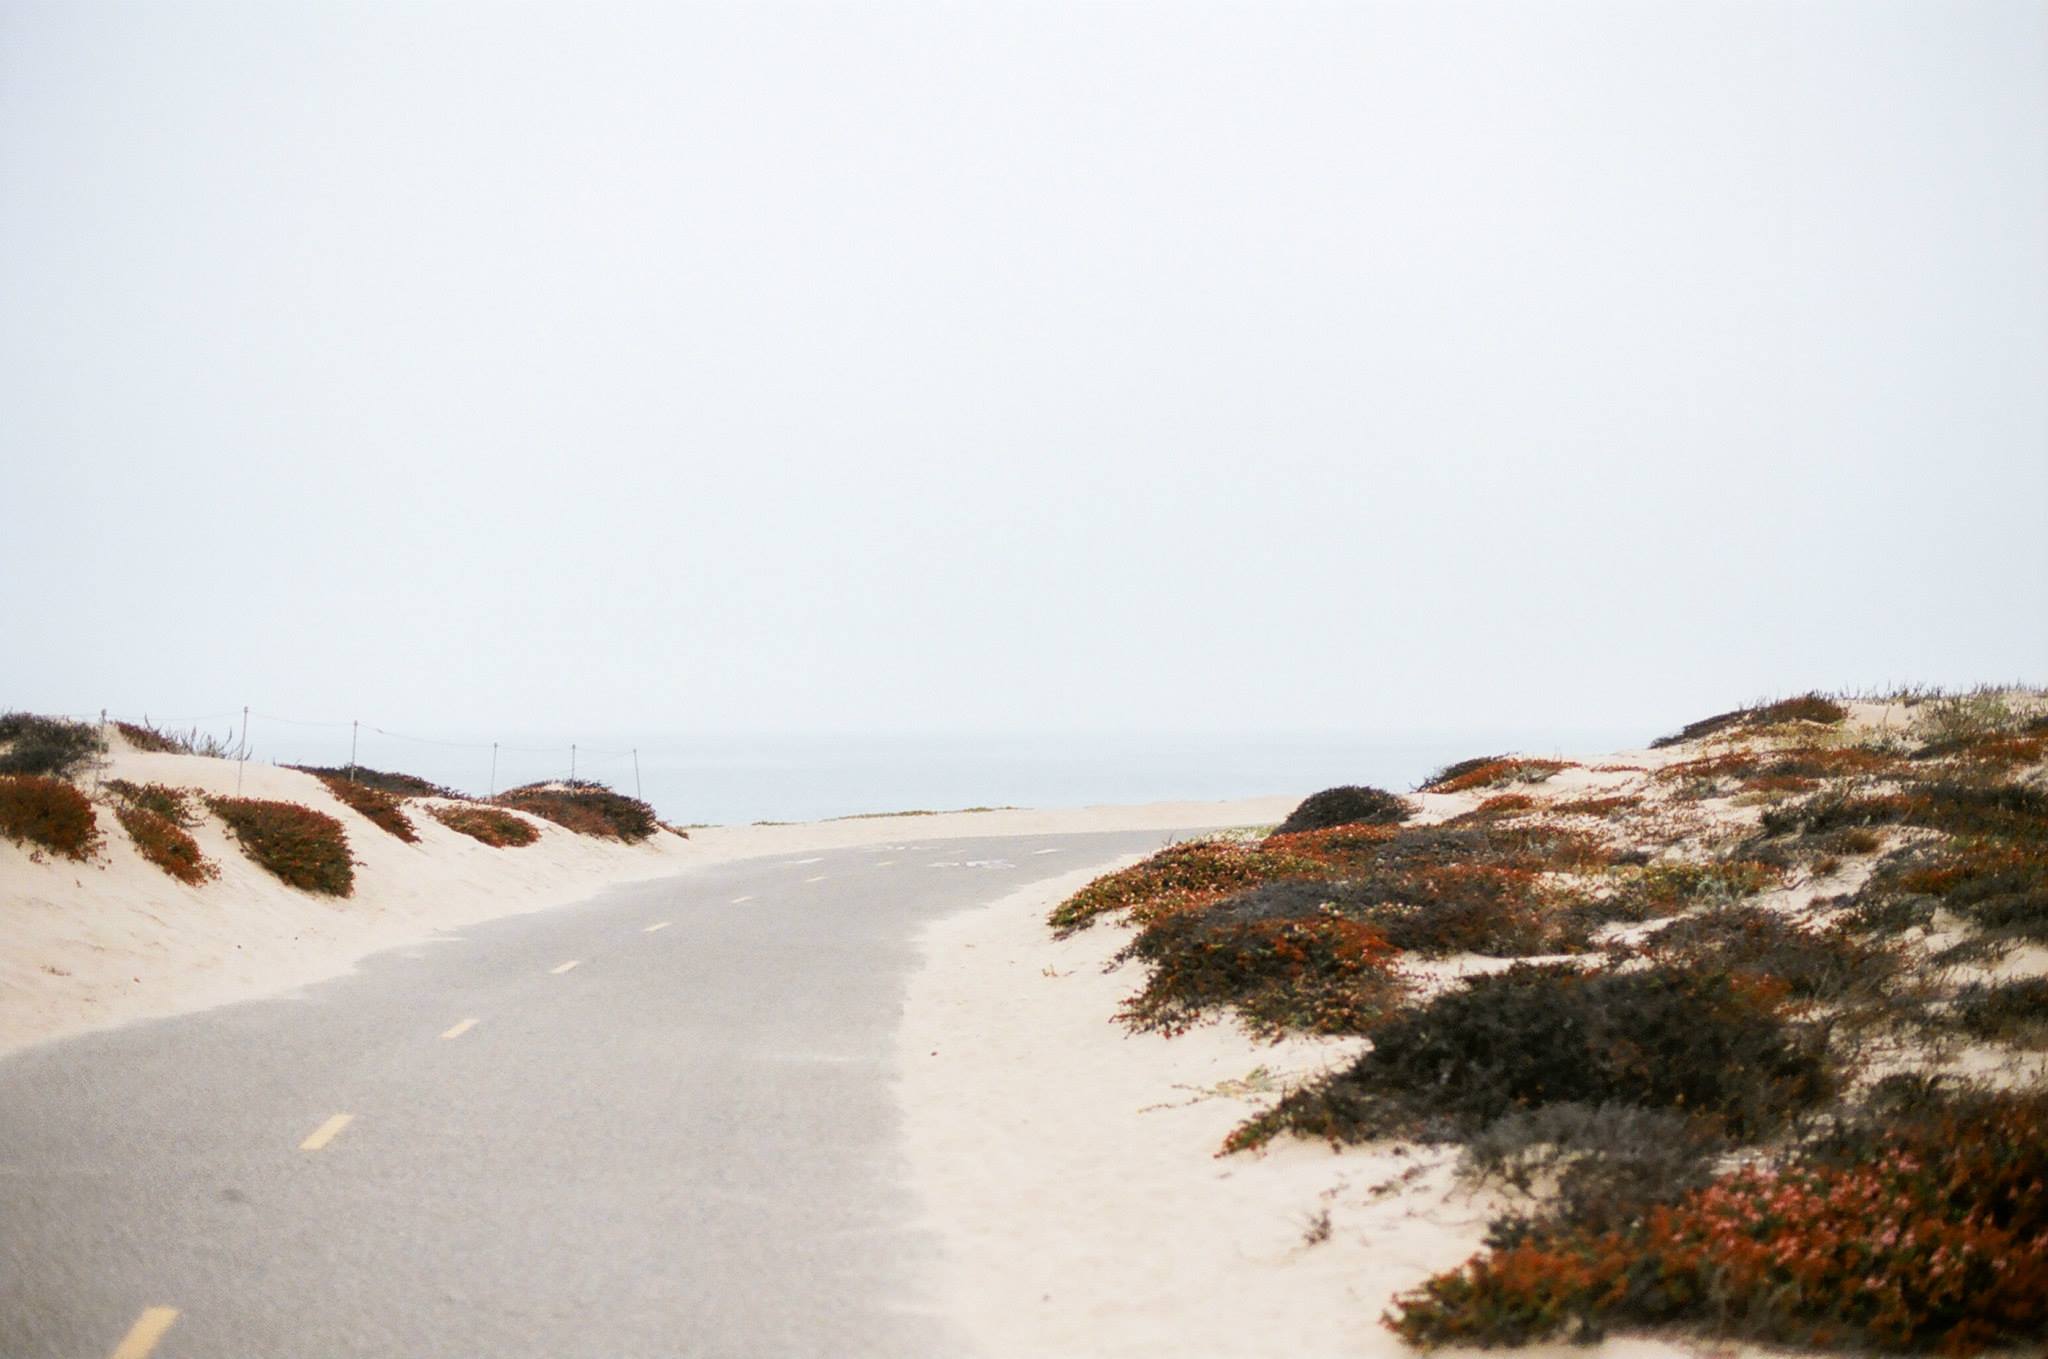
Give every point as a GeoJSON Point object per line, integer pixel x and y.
{"type": "Point", "coordinates": [735, 780]}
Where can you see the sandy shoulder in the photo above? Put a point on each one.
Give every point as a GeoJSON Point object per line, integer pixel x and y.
{"type": "Point", "coordinates": [1069, 1168]}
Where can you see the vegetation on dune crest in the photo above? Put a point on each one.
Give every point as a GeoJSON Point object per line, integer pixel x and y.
{"type": "Point", "coordinates": [301, 847]}
{"type": "Point", "coordinates": [382, 809]}
{"type": "Point", "coordinates": [1684, 1098]}
{"type": "Point", "coordinates": [1350, 805]}
{"type": "Point", "coordinates": [52, 746]}
{"type": "Point", "coordinates": [500, 830]}
{"type": "Point", "coordinates": [586, 807]}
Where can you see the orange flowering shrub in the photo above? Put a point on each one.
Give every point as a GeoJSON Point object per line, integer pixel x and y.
{"type": "Point", "coordinates": [166, 844]}
{"type": "Point", "coordinates": [1318, 973]}
{"type": "Point", "coordinates": [1198, 872]}
{"type": "Point", "coordinates": [1931, 1236]}
{"type": "Point", "coordinates": [302, 847]}
{"type": "Point", "coordinates": [383, 810]}
{"type": "Point", "coordinates": [47, 813]}
{"type": "Point", "coordinates": [1494, 772]}
{"type": "Point", "coordinates": [585, 807]}
{"type": "Point", "coordinates": [495, 828]}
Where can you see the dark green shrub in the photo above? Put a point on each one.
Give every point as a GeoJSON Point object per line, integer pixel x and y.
{"type": "Point", "coordinates": [2009, 1012]}
{"type": "Point", "coordinates": [1771, 951]}
{"type": "Point", "coordinates": [1351, 805]}
{"type": "Point", "coordinates": [45, 745]}
{"type": "Point", "coordinates": [500, 830]}
{"type": "Point", "coordinates": [1704, 1043]}
{"type": "Point", "coordinates": [49, 814]}
{"type": "Point", "coordinates": [383, 810]}
{"type": "Point", "coordinates": [1610, 1162]}
{"type": "Point", "coordinates": [586, 808]}
{"type": "Point", "coordinates": [301, 847]}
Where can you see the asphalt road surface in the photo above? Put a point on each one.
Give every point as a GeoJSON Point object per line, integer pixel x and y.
{"type": "Point", "coordinates": [657, 1123]}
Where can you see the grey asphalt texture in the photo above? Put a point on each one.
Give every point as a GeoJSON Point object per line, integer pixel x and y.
{"type": "Point", "coordinates": [687, 1145]}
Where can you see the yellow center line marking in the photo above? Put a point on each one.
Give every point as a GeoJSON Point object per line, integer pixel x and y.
{"type": "Point", "coordinates": [327, 1132]}
{"type": "Point", "coordinates": [460, 1029]}
{"type": "Point", "coordinates": [657, 925]}
{"type": "Point", "coordinates": [143, 1335]}
{"type": "Point", "coordinates": [737, 900]}
{"type": "Point", "coordinates": [809, 881]}
{"type": "Point", "coordinates": [558, 971]}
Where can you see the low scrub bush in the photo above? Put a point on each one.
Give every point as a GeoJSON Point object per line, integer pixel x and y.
{"type": "Point", "coordinates": [384, 780]}
{"type": "Point", "coordinates": [1806, 708]}
{"type": "Point", "coordinates": [145, 737]}
{"type": "Point", "coordinates": [1634, 893]}
{"type": "Point", "coordinates": [1351, 805]}
{"type": "Point", "coordinates": [1315, 972]}
{"type": "Point", "coordinates": [2008, 1012]}
{"type": "Point", "coordinates": [172, 804]}
{"type": "Point", "coordinates": [382, 809]}
{"type": "Point", "coordinates": [1770, 951]}
{"type": "Point", "coordinates": [1923, 1232]}
{"type": "Point", "coordinates": [586, 808]}
{"type": "Point", "coordinates": [500, 830]}
{"type": "Point", "coordinates": [301, 847]}
{"type": "Point", "coordinates": [50, 746]}
{"type": "Point", "coordinates": [1608, 1163]}
{"type": "Point", "coordinates": [166, 844]}
{"type": "Point", "coordinates": [1181, 877]}
{"type": "Point", "coordinates": [47, 813]}
{"type": "Point", "coordinates": [1708, 1044]}
{"type": "Point", "coordinates": [1506, 769]}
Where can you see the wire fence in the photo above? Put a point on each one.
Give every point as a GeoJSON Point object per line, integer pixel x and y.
{"type": "Point", "coordinates": [450, 761]}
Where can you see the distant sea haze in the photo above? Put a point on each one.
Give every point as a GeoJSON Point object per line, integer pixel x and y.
{"type": "Point", "coordinates": [735, 780]}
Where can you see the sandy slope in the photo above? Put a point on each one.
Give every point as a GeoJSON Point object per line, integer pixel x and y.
{"type": "Point", "coordinates": [86, 945]}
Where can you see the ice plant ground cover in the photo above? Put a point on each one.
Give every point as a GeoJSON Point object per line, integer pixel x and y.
{"type": "Point", "coordinates": [1751, 1018]}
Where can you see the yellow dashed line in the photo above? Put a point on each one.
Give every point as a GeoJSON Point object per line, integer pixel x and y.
{"type": "Point", "coordinates": [657, 925]}
{"type": "Point", "coordinates": [558, 971]}
{"type": "Point", "coordinates": [143, 1335]}
{"type": "Point", "coordinates": [460, 1029]}
{"type": "Point", "coordinates": [327, 1132]}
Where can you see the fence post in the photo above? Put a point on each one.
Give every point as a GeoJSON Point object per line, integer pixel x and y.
{"type": "Point", "coordinates": [494, 770]}
{"type": "Point", "coordinates": [636, 771]}
{"type": "Point", "coordinates": [242, 750]}
{"type": "Point", "coordinates": [100, 759]}
{"type": "Point", "coordinates": [572, 762]}
{"type": "Point", "coordinates": [352, 728]}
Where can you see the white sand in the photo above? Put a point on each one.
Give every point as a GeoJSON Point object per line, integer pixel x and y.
{"type": "Point", "coordinates": [1070, 1169]}
{"type": "Point", "coordinates": [115, 939]}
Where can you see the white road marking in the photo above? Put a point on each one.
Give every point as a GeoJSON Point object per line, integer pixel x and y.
{"type": "Point", "coordinates": [558, 971]}
{"type": "Point", "coordinates": [886, 863]}
{"type": "Point", "coordinates": [140, 1342]}
{"type": "Point", "coordinates": [820, 859]}
{"type": "Point", "coordinates": [327, 1132]}
{"type": "Point", "coordinates": [809, 881]}
{"type": "Point", "coordinates": [460, 1029]}
{"type": "Point", "coordinates": [1054, 850]}
{"type": "Point", "coordinates": [657, 925]}
{"type": "Point", "coordinates": [737, 900]}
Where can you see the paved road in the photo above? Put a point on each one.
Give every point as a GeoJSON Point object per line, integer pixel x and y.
{"type": "Point", "coordinates": [685, 1144]}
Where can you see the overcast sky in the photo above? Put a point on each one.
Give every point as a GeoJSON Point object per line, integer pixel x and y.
{"type": "Point", "coordinates": [1018, 366]}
